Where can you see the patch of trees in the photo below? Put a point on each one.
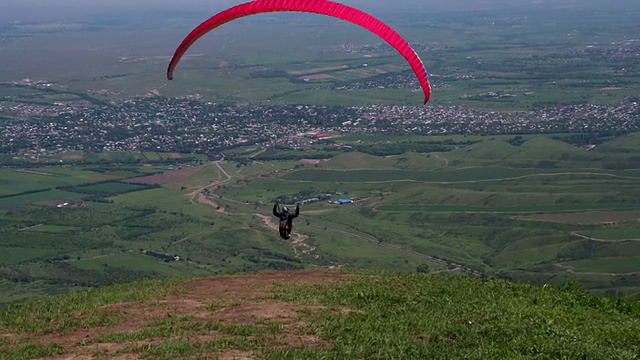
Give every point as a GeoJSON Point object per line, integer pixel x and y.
{"type": "Point", "coordinates": [99, 195]}
{"type": "Point", "coordinates": [411, 146]}
{"type": "Point", "coordinates": [102, 169]}
{"type": "Point", "coordinates": [68, 274]}
{"type": "Point", "coordinates": [162, 256]}
{"type": "Point", "coordinates": [16, 275]}
{"type": "Point", "coordinates": [274, 265]}
{"type": "Point", "coordinates": [266, 254]}
{"type": "Point", "coordinates": [26, 192]}
{"type": "Point", "coordinates": [610, 165]}
{"type": "Point", "coordinates": [97, 199]}
{"type": "Point", "coordinates": [268, 74]}
{"type": "Point", "coordinates": [88, 217]}
{"type": "Point", "coordinates": [516, 140]}
{"type": "Point", "coordinates": [62, 273]}
{"type": "Point", "coordinates": [279, 265]}
{"type": "Point", "coordinates": [305, 195]}
{"type": "Point", "coordinates": [588, 138]}
{"type": "Point", "coordinates": [580, 251]}
{"type": "Point", "coordinates": [285, 153]}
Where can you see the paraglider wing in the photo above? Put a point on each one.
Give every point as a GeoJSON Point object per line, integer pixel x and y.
{"type": "Point", "coordinates": [323, 7]}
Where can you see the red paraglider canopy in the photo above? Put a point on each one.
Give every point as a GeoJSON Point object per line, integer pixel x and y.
{"type": "Point", "coordinates": [323, 7]}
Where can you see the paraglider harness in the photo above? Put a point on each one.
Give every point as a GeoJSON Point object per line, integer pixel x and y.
{"type": "Point", "coordinates": [286, 219]}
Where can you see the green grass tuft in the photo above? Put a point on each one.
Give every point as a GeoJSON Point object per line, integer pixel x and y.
{"type": "Point", "coordinates": [364, 315]}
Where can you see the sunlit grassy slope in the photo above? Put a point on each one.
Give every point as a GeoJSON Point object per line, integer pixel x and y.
{"type": "Point", "coordinates": [530, 208]}
{"type": "Point", "coordinates": [324, 314]}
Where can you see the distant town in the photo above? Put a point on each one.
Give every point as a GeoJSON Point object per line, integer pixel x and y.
{"type": "Point", "coordinates": [191, 125]}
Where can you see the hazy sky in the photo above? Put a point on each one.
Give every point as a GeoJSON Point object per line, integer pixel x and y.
{"type": "Point", "coordinates": [44, 10]}
{"type": "Point", "coordinates": [77, 10]}
{"type": "Point", "coordinates": [110, 24]}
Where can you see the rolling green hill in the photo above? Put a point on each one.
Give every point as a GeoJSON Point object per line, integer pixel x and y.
{"type": "Point", "coordinates": [533, 152]}
{"type": "Point", "coordinates": [531, 209]}
{"type": "Point", "coordinates": [624, 144]}
{"type": "Point", "coordinates": [357, 160]}
{"type": "Point", "coordinates": [326, 314]}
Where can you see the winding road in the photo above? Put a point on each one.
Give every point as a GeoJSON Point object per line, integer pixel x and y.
{"type": "Point", "coordinates": [299, 246]}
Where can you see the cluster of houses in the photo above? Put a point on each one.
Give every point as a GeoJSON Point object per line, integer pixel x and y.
{"type": "Point", "coordinates": [330, 200]}
{"type": "Point", "coordinates": [188, 126]}
{"type": "Point", "coordinates": [348, 201]}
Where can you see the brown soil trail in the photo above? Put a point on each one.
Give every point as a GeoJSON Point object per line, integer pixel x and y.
{"type": "Point", "coordinates": [231, 300]}
{"type": "Point", "coordinates": [300, 248]}
{"type": "Point", "coordinates": [202, 198]}
{"type": "Point", "coordinates": [601, 240]}
{"type": "Point", "coordinates": [572, 270]}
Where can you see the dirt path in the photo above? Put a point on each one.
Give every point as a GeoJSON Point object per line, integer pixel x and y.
{"type": "Point", "coordinates": [232, 300]}
{"type": "Point", "coordinates": [258, 153]}
{"type": "Point", "coordinates": [498, 179]}
{"type": "Point", "coordinates": [202, 198]}
{"type": "Point", "coordinates": [442, 158]}
{"type": "Point", "coordinates": [187, 238]}
{"type": "Point", "coordinates": [300, 248]}
{"type": "Point", "coordinates": [572, 270]}
{"type": "Point", "coordinates": [30, 227]}
{"type": "Point", "coordinates": [601, 240]}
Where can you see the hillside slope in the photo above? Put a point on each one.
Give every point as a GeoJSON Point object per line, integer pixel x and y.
{"type": "Point", "coordinates": [312, 314]}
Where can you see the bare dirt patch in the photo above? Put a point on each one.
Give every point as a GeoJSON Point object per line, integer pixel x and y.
{"type": "Point", "coordinates": [202, 198]}
{"type": "Point", "coordinates": [255, 311]}
{"type": "Point", "coordinates": [237, 355]}
{"type": "Point", "coordinates": [300, 247]}
{"type": "Point", "coordinates": [250, 286]}
{"type": "Point", "coordinates": [313, 161]}
{"type": "Point", "coordinates": [232, 300]}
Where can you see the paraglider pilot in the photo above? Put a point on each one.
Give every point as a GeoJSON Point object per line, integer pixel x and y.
{"type": "Point", "coordinates": [286, 219]}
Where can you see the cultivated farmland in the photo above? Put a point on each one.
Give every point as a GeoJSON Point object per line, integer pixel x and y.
{"type": "Point", "coordinates": [436, 211]}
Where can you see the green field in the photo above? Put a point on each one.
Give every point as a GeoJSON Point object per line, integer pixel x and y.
{"type": "Point", "coordinates": [515, 222]}
{"type": "Point", "coordinates": [15, 182]}
{"type": "Point", "coordinates": [547, 209]}
{"type": "Point", "coordinates": [110, 188]}
{"type": "Point", "coordinates": [15, 255]}
{"type": "Point", "coordinates": [621, 266]}
{"type": "Point", "coordinates": [462, 246]}
{"type": "Point", "coordinates": [615, 233]}
{"type": "Point", "coordinates": [504, 208]}
{"type": "Point", "coordinates": [586, 217]}
{"type": "Point", "coordinates": [457, 175]}
{"type": "Point", "coordinates": [50, 228]}
{"type": "Point", "coordinates": [267, 61]}
{"type": "Point", "coordinates": [133, 262]}
{"type": "Point", "coordinates": [509, 221]}
{"type": "Point", "coordinates": [45, 196]}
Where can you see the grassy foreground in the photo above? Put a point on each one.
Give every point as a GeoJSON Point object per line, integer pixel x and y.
{"type": "Point", "coordinates": [324, 314]}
